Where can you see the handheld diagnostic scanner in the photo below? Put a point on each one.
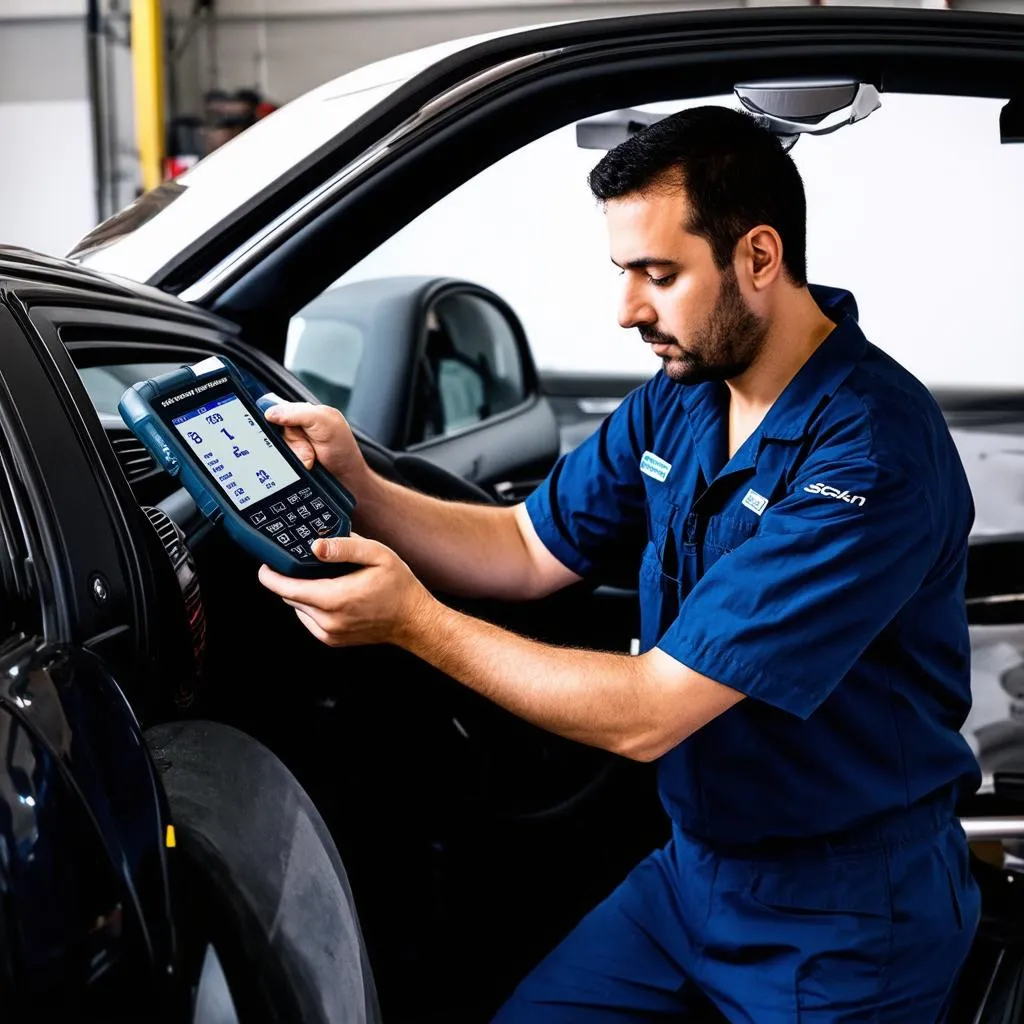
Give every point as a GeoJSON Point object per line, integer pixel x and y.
{"type": "Point", "coordinates": [204, 424]}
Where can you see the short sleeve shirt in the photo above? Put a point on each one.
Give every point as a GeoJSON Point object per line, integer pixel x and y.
{"type": "Point", "coordinates": [820, 571]}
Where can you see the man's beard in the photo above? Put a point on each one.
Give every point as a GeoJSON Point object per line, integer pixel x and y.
{"type": "Point", "coordinates": [721, 348]}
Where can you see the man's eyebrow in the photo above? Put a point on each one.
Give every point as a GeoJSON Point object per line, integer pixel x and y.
{"type": "Point", "coordinates": [644, 262]}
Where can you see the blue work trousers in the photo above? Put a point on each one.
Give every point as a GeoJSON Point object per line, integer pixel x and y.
{"type": "Point", "coordinates": [874, 927]}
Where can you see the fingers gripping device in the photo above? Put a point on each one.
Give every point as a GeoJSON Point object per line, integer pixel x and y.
{"type": "Point", "coordinates": [205, 425]}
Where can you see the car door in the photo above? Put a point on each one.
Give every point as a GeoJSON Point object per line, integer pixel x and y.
{"type": "Point", "coordinates": [581, 401]}
{"type": "Point", "coordinates": [85, 926]}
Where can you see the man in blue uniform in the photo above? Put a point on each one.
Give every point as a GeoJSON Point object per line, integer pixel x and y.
{"type": "Point", "coordinates": [800, 517]}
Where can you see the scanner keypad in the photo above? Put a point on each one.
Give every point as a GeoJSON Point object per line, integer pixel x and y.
{"type": "Point", "coordinates": [297, 519]}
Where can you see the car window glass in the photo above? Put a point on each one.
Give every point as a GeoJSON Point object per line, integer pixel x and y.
{"type": "Point", "coordinates": [106, 384]}
{"type": "Point", "coordinates": [324, 351]}
{"type": "Point", "coordinates": [472, 360]}
{"type": "Point", "coordinates": [140, 240]}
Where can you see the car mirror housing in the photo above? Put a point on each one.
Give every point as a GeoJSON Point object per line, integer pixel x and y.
{"type": "Point", "coordinates": [787, 108]}
{"type": "Point", "coordinates": [808, 107]}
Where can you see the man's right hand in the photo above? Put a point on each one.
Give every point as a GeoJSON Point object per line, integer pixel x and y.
{"type": "Point", "coordinates": [320, 433]}
{"type": "Point", "coordinates": [458, 548]}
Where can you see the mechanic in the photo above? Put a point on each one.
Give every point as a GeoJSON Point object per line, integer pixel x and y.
{"type": "Point", "coordinates": [800, 517]}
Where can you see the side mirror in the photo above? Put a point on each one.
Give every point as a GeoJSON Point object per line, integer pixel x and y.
{"type": "Point", "coordinates": [413, 359]}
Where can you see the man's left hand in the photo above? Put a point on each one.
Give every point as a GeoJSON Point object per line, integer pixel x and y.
{"type": "Point", "coordinates": [376, 604]}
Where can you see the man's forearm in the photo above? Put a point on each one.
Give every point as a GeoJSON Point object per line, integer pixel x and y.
{"type": "Point", "coordinates": [636, 706]}
{"type": "Point", "coordinates": [461, 549]}
{"type": "Point", "coordinates": [639, 707]}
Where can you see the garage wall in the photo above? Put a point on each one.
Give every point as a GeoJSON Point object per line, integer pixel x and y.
{"type": "Point", "coordinates": [47, 176]}
{"type": "Point", "coordinates": [284, 48]}
{"type": "Point", "coordinates": [41, 9]}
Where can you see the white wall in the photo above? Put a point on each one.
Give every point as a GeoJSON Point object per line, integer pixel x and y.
{"type": "Point", "coordinates": [47, 198]}
{"type": "Point", "coordinates": [925, 233]}
{"type": "Point", "coordinates": [30, 9]}
{"type": "Point", "coordinates": [47, 175]}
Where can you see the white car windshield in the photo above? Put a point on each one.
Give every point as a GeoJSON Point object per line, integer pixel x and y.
{"type": "Point", "coordinates": [162, 223]}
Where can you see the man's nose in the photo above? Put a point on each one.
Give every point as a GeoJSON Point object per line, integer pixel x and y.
{"type": "Point", "coordinates": [634, 310]}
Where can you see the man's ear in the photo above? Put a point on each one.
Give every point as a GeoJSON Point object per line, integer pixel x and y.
{"type": "Point", "coordinates": [759, 256]}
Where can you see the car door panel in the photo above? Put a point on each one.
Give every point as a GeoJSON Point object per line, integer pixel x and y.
{"type": "Point", "coordinates": [516, 449]}
{"type": "Point", "coordinates": [581, 401]}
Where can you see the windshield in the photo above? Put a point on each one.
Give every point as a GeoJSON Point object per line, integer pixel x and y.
{"type": "Point", "coordinates": [139, 240]}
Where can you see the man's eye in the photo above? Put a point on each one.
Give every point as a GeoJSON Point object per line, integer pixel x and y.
{"type": "Point", "coordinates": [661, 282]}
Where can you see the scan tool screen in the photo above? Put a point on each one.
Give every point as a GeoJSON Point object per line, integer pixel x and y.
{"type": "Point", "coordinates": [234, 450]}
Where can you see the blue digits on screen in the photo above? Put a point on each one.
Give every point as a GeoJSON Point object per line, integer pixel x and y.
{"type": "Point", "coordinates": [215, 417]}
{"type": "Point", "coordinates": [224, 431]}
{"type": "Point", "coordinates": [238, 452]}
{"type": "Point", "coordinates": [262, 475]}
{"type": "Point", "coordinates": [194, 437]}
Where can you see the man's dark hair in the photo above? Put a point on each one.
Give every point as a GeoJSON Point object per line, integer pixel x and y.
{"type": "Point", "coordinates": [736, 175]}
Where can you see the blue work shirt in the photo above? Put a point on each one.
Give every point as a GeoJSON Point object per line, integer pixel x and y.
{"type": "Point", "coordinates": [820, 571]}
